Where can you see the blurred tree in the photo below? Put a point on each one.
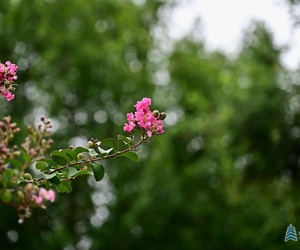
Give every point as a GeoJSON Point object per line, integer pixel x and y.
{"type": "Point", "coordinates": [223, 176]}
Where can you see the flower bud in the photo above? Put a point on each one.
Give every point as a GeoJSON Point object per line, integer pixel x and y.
{"type": "Point", "coordinates": [80, 156]}
{"type": "Point", "coordinates": [20, 195]}
{"type": "Point", "coordinates": [90, 144]}
{"type": "Point", "coordinates": [29, 187]}
{"type": "Point", "coordinates": [27, 176]}
{"type": "Point", "coordinates": [155, 113]}
{"type": "Point", "coordinates": [162, 115]}
{"type": "Point", "coordinates": [6, 83]}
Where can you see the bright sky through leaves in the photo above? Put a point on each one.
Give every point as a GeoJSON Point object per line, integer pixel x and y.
{"type": "Point", "coordinates": [222, 23]}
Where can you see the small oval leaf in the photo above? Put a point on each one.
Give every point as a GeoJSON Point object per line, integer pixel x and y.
{"type": "Point", "coordinates": [61, 157]}
{"type": "Point", "coordinates": [80, 150]}
{"type": "Point", "coordinates": [131, 155]}
{"type": "Point", "coordinates": [48, 176]}
{"type": "Point", "coordinates": [83, 172]}
{"type": "Point", "coordinates": [127, 140]}
{"type": "Point", "coordinates": [98, 171]}
{"type": "Point", "coordinates": [64, 186]}
{"type": "Point", "coordinates": [41, 165]}
{"type": "Point", "coordinates": [71, 153]}
{"type": "Point", "coordinates": [71, 171]}
{"type": "Point", "coordinates": [55, 180]}
{"type": "Point", "coordinates": [111, 143]}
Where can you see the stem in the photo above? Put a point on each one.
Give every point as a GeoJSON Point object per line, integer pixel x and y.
{"type": "Point", "coordinates": [143, 139]}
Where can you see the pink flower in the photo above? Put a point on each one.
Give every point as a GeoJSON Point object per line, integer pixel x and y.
{"type": "Point", "coordinates": [47, 195]}
{"type": "Point", "coordinates": [144, 119]}
{"type": "Point", "coordinates": [128, 127]}
{"type": "Point", "coordinates": [9, 96]}
{"type": "Point", "coordinates": [12, 69]}
{"type": "Point", "coordinates": [8, 73]}
{"type": "Point", "coordinates": [144, 103]}
{"type": "Point", "coordinates": [37, 199]}
{"type": "Point", "coordinates": [44, 195]}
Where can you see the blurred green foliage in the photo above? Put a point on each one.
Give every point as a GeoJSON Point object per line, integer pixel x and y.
{"type": "Point", "coordinates": [225, 174]}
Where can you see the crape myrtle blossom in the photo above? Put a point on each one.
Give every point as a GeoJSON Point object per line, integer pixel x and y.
{"type": "Point", "coordinates": [44, 195]}
{"type": "Point", "coordinates": [145, 119]}
{"type": "Point", "coordinates": [7, 76]}
{"type": "Point", "coordinates": [23, 191]}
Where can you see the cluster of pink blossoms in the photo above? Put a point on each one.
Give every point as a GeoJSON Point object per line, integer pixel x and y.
{"type": "Point", "coordinates": [143, 118]}
{"type": "Point", "coordinates": [7, 76]}
{"type": "Point", "coordinates": [44, 195]}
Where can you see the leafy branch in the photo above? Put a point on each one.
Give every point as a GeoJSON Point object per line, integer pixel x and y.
{"type": "Point", "coordinates": [67, 164]}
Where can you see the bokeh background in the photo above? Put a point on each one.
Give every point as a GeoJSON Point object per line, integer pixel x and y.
{"type": "Point", "coordinates": [225, 175]}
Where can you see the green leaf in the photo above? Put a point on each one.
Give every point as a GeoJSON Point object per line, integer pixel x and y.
{"type": "Point", "coordinates": [131, 155]}
{"type": "Point", "coordinates": [83, 172]}
{"type": "Point", "coordinates": [126, 139]}
{"type": "Point", "coordinates": [71, 153]}
{"type": "Point", "coordinates": [59, 161]}
{"type": "Point", "coordinates": [42, 165]}
{"type": "Point", "coordinates": [55, 180]}
{"type": "Point", "coordinates": [92, 152]}
{"type": "Point", "coordinates": [16, 163]}
{"type": "Point", "coordinates": [111, 143]}
{"type": "Point", "coordinates": [104, 152]}
{"type": "Point", "coordinates": [50, 162]}
{"type": "Point", "coordinates": [80, 150]}
{"type": "Point", "coordinates": [26, 158]}
{"type": "Point", "coordinates": [61, 188]}
{"type": "Point", "coordinates": [64, 186]}
{"type": "Point", "coordinates": [60, 157]}
{"type": "Point", "coordinates": [7, 175]}
{"type": "Point", "coordinates": [98, 171]}
{"type": "Point", "coordinates": [48, 176]}
{"type": "Point", "coordinates": [6, 196]}
{"type": "Point", "coordinates": [71, 171]}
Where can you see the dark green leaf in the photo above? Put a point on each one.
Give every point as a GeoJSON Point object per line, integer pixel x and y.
{"type": "Point", "coordinates": [127, 140]}
{"type": "Point", "coordinates": [83, 172]}
{"type": "Point", "coordinates": [42, 165]}
{"type": "Point", "coordinates": [131, 155]}
{"type": "Point", "coordinates": [98, 171]}
{"type": "Point", "coordinates": [55, 180]}
{"type": "Point", "coordinates": [60, 157]}
{"type": "Point", "coordinates": [64, 186]}
{"type": "Point", "coordinates": [124, 138]}
{"type": "Point", "coordinates": [26, 158]}
{"type": "Point", "coordinates": [6, 196]}
{"type": "Point", "coordinates": [71, 153]}
{"type": "Point", "coordinates": [80, 150]}
{"type": "Point", "coordinates": [7, 175]}
{"type": "Point", "coordinates": [50, 162]}
{"type": "Point", "coordinates": [111, 143]}
{"type": "Point", "coordinates": [16, 163]}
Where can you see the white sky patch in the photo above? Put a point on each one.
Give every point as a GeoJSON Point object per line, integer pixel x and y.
{"type": "Point", "coordinates": [222, 24]}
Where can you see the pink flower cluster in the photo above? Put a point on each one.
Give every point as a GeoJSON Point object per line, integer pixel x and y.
{"type": "Point", "coordinates": [44, 195]}
{"type": "Point", "coordinates": [143, 118]}
{"type": "Point", "coordinates": [8, 73]}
